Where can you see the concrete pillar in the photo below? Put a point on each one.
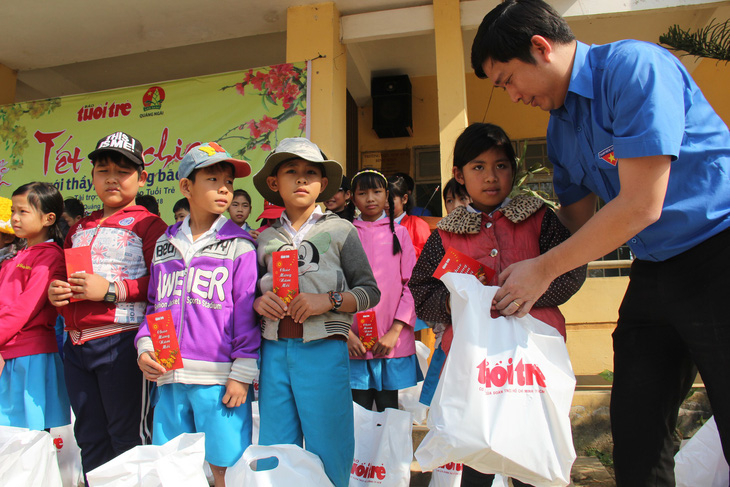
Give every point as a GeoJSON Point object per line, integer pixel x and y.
{"type": "Point", "coordinates": [450, 79]}
{"type": "Point", "coordinates": [313, 32]}
{"type": "Point", "coordinates": [8, 81]}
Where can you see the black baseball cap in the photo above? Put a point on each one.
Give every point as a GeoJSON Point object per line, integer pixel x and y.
{"type": "Point", "coordinates": [122, 143]}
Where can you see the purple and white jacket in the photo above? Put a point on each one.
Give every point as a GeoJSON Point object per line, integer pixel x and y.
{"type": "Point", "coordinates": [211, 300]}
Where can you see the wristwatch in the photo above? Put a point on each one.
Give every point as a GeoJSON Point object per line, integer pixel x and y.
{"type": "Point", "coordinates": [335, 299]}
{"type": "Point", "coordinates": [111, 294]}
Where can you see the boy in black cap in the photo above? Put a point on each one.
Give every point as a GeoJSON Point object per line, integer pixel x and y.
{"type": "Point", "coordinates": [107, 391]}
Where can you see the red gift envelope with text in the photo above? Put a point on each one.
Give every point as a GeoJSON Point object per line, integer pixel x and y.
{"type": "Point", "coordinates": [286, 274]}
{"type": "Point", "coordinates": [367, 328]}
{"type": "Point", "coordinates": [78, 259]}
{"type": "Point", "coordinates": [164, 339]}
{"type": "Point", "coordinates": [455, 261]}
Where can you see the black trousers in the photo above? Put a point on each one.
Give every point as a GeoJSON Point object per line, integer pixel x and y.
{"type": "Point", "coordinates": [382, 399]}
{"type": "Point", "coordinates": [673, 318]}
{"type": "Point", "coordinates": [109, 397]}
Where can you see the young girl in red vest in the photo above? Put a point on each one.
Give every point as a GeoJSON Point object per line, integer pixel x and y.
{"type": "Point", "coordinates": [32, 389]}
{"type": "Point", "coordinates": [497, 231]}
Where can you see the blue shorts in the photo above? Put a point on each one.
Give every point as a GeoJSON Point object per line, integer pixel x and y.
{"type": "Point", "coordinates": [305, 396]}
{"type": "Point", "coordinates": [33, 392]}
{"type": "Point", "coordinates": [385, 374]}
{"type": "Point", "coordinates": [195, 408]}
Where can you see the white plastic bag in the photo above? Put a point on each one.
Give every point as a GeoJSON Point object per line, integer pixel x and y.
{"type": "Point", "coordinates": [408, 398]}
{"type": "Point", "coordinates": [503, 402]}
{"type": "Point", "coordinates": [700, 461]}
{"type": "Point", "coordinates": [69, 456]}
{"type": "Point", "coordinates": [383, 448]}
{"type": "Point", "coordinates": [178, 463]}
{"type": "Point", "coordinates": [448, 475]}
{"type": "Point", "coordinates": [296, 468]}
{"type": "Point", "coordinates": [28, 458]}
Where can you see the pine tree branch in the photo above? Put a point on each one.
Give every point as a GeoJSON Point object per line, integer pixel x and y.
{"type": "Point", "coordinates": [711, 41]}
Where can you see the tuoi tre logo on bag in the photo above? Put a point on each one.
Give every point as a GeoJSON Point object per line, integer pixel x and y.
{"type": "Point", "coordinates": [368, 473]}
{"type": "Point", "coordinates": [494, 379]}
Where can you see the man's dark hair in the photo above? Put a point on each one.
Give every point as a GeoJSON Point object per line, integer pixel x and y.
{"type": "Point", "coordinates": [506, 32]}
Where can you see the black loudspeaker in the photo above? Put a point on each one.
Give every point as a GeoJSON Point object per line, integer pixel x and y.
{"type": "Point", "coordinates": [392, 106]}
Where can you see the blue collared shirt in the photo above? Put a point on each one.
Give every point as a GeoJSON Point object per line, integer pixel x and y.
{"type": "Point", "coordinates": [634, 99]}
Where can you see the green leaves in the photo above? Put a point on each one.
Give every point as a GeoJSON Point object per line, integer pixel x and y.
{"type": "Point", "coordinates": [711, 41]}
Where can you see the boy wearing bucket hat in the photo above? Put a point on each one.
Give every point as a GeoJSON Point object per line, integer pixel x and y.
{"type": "Point", "coordinates": [204, 272]}
{"type": "Point", "coordinates": [305, 388]}
{"type": "Point", "coordinates": [107, 391]}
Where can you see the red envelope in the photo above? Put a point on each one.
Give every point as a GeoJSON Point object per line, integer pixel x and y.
{"type": "Point", "coordinates": [78, 259]}
{"type": "Point", "coordinates": [455, 261]}
{"type": "Point", "coordinates": [286, 274]}
{"type": "Point", "coordinates": [367, 328]}
{"type": "Point", "coordinates": [164, 339]}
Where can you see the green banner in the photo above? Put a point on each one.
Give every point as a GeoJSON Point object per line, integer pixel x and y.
{"type": "Point", "coordinates": [246, 112]}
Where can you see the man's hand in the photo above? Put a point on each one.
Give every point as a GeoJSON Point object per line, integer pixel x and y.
{"type": "Point", "coordinates": [151, 369]}
{"type": "Point", "coordinates": [269, 305]}
{"type": "Point", "coordinates": [235, 393]}
{"type": "Point", "coordinates": [305, 305]}
{"type": "Point", "coordinates": [59, 293]}
{"type": "Point", "coordinates": [88, 286]}
{"type": "Point", "coordinates": [522, 284]}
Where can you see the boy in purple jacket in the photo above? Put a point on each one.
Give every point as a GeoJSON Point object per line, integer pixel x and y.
{"type": "Point", "coordinates": [204, 272]}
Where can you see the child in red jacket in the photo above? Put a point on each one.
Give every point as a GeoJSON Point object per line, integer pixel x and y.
{"type": "Point", "coordinates": [32, 389]}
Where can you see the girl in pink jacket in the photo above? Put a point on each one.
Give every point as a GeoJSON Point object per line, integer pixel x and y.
{"type": "Point", "coordinates": [32, 389]}
{"type": "Point", "coordinates": [379, 367]}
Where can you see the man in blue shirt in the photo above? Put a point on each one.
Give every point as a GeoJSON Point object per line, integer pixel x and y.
{"type": "Point", "coordinates": [629, 125]}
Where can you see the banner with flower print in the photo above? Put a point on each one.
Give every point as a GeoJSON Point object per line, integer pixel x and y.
{"type": "Point", "coordinates": [246, 112]}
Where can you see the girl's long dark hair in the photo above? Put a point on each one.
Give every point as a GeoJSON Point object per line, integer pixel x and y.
{"type": "Point", "coordinates": [372, 179]}
{"type": "Point", "coordinates": [45, 198]}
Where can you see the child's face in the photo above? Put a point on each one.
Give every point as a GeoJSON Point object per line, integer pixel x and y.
{"type": "Point", "coordinates": [181, 214]}
{"type": "Point", "coordinates": [240, 210]}
{"type": "Point", "coordinates": [398, 204]}
{"type": "Point", "coordinates": [338, 201]}
{"type": "Point", "coordinates": [70, 220]}
{"type": "Point", "coordinates": [117, 185]}
{"type": "Point", "coordinates": [212, 190]}
{"type": "Point", "coordinates": [452, 201]}
{"type": "Point", "coordinates": [29, 223]}
{"type": "Point", "coordinates": [488, 179]}
{"type": "Point", "coordinates": [371, 202]}
{"type": "Point", "coordinates": [299, 183]}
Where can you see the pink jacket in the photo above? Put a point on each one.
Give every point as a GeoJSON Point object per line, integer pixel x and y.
{"type": "Point", "coordinates": [27, 317]}
{"type": "Point", "coordinates": [392, 273]}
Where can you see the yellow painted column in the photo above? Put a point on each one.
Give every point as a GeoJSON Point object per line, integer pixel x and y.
{"type": "Point", "coordinates": [8, 81]}
{"type": "Point", "coordinates": [450, 79]}
{"type": "Point", "coordinates": [313, 32]}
